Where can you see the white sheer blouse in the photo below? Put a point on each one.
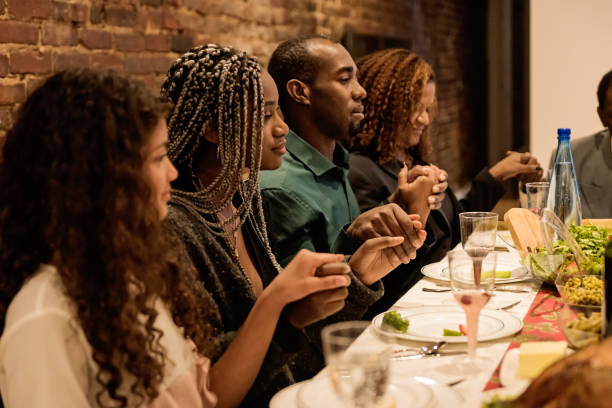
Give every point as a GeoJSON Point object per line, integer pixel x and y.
{"type": "Point", "coordinates": [46, 361]}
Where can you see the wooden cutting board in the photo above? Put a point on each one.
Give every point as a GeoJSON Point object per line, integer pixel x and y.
{"type": "Point", "coordinates": [524, 227]}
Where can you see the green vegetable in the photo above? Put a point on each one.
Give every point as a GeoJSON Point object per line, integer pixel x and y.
{"type": "Point", "coordinates": [590, 238]}
{"type": "Point", "coordinates": [498, 274]}
{"type": "Point", "coordinates": [395, 320]}
{"type": "Point", "coordinates": [449, 332]}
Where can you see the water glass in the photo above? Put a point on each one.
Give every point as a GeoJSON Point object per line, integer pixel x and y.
{"type": "Point", "coordinates": [359, 373]}
{"type": "Point", "coordinates": [537, 196]}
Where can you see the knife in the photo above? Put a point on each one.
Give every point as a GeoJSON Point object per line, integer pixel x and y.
{"type": "Point", "coordinates": [418, 356]}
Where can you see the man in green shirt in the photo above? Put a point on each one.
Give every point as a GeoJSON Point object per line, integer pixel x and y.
{"type": "Point", "coordinates": [309, 202]}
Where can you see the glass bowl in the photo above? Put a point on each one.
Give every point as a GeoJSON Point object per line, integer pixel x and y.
{"type": "Point", "coordinates": [582, 325]}
{"type": "Point", "coordinates": [546, 267]}
{"type": "Point", "coordinates": [574, 294]}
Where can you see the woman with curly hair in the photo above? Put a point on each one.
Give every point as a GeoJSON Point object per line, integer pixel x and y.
{"type": "Point", "coordinates": [393, 148]}
{"type": "Point", "coordinates": [224, 127]}
{"type": "Point", "coordinates": [88, 280]}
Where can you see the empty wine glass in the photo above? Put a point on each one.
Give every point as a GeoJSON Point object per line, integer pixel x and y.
{"type": "Point", "coordinates": [359, 373]}
{"type": "Point", "coordinates": [472, 291]}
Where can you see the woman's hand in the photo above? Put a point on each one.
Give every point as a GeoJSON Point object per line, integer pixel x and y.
{"type": "Point", "coordinates": [414, 189]}
{"type": "Point", "coordinates": [299, 279]}
{"type": "Point", "coordinates": [375, 258]}
{"type": "Point", "coordinates": [521, 165]}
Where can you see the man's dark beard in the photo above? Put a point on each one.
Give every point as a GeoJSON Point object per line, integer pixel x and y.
{"type": "Point", "coordinates": [355, 128]}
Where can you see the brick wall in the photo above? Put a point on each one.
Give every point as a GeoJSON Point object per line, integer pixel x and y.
{"type": "Point", "coordinates": [141, 38]}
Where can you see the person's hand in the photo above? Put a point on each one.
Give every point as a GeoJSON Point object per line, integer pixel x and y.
{"type": "Point", "coordinates": [390, 221]}
{"type": "Point", "coordinates": [299, 279]}
{"type": "Point", "coordinates": [375, 258]}
{"type": "Point", "coordinates": [413, 193]}
{"type": "Point", "coordinates": [523, 166]}
{"type": "Point", "coordinates": [322, 304]}
{"type": "Point", "coordinates": [439, 189]}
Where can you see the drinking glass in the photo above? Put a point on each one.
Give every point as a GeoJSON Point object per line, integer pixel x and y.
{"type": "Point", "coordinates": [359, 373]}
{"type": "Point", "coordinates": [472, 290]}
{"type": "Point", "coordinates": [537, 196]}
{"type": "Point", "coordinates": [478, 235]}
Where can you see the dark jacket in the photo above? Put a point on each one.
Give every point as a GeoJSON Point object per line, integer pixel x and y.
{"type": "Point", "coordinates": [373, 184]}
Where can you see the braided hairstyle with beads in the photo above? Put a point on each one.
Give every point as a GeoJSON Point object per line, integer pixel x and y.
{"type": "Point", "coordinates": [220, 89]}
{"type": "Point", "coordinates": [395, 80]}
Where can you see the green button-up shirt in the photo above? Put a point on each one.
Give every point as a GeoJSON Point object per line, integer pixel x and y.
{"type": "Point", "coordinates": [308, 200]}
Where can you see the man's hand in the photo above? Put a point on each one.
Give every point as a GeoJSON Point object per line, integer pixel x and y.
{"type": "Point", "coordinates": [375, 258]}
{"type": "Point", "coordinates": [523, 166]}
{"type": "Point", "coordinates": [319, 305]}
{"type": "Point", "coordinates": [390, 221]}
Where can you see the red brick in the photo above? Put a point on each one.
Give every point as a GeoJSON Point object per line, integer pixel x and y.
{"type": "Point", "coordinates": [79, 12]}
{"type": "Point", "coordinates": [3, 65]}
{"type": "Point", "coordinates": [65, 61]}
{"type": "Point", "coordinates": [157, 42]}
{"type": "Point", "coordinates": [154, 19]}
{"type": "Point", "coordinates": [61, 11]}
{"type": "Point", "coordinates": [2, 6]}
{"type": "Point", "coordinates": [141, 21]}
{"type": "Point", "coordinates": [30, 62]}
{"type": "Point", "coordinates": [10, 94]}
{"type": "Point", "coordinates": [6, 117]}
{"type": "Point", "coordinates": [95, 13]}
{"type": "Point", "coordinates": [129, 42]}
{"type": "Point", "coordinates": [153, 3]}
{"type": "Point", "coordinates": [106, 61]}
{"type": "Point", "coordinates": [170, 21]}
{"type": "Point", "coordinates": [58, 34]}
{"type": "Point", "coordinates": [181, 43]}
{"type": "Point", "coordinates": [24, 9]}
{"type": "Point", "coordinates": [15, 32]}
{"type": "Point", "coordinates": [143, 64]}
{"type": "Point", "coordinates": [119, 16]}
{"type": "Point", "coordinates": [96, 39]}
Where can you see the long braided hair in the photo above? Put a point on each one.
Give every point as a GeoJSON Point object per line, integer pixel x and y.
{"type": "Point", "coordinates": [394, 79]}
{"type": "Point", "coordinates": [220, 89]}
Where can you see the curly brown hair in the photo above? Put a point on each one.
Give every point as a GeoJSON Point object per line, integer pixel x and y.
{"type": "Point", "coordinates": [394, 79]}
{"type": "Point", "coordinates": [73, 194]}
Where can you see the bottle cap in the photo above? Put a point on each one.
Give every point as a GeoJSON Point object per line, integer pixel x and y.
{"type": "Point", "coordinates": [563, 133]}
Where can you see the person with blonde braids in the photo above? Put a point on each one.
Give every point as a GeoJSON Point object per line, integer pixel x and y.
{"type": "Point", "coordinates": [393, 148]}
{"type": "Point", "coordinates": [225, 124]}
{"type": "Point", "coordinates": [95, 307]}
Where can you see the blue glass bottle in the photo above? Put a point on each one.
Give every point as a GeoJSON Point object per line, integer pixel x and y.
{"type": "Point", "coordinates": [564, 194]}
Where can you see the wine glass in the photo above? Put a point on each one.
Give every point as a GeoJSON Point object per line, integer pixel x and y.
{"type": "Point", "coordinates": [359, 373]}
{"type": "Point", "coordinates": [478, 235]}
{"type": "Point", "coordinates": [472, 291]}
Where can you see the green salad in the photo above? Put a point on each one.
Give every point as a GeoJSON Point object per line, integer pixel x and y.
{"type": "Point", "coordinates": [395, 320]}
{"type": "Point", "coordinates": [590, 238]}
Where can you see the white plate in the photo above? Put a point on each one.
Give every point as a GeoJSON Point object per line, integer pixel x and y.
{"type": "Point", "coordinates": [287, 397]}
{"type": "Point", "coordinates": [318, 393]}
{"type": "Point", "coordinates": [428, 323]}
{"type": "Point", "coordinates": [439, 270]}
{"type": "Point", "coordinates": [509, 369]}
{"type": "Point", "coordinates": [444, 395]}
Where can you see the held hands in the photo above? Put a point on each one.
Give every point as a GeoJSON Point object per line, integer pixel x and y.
{"type": "Point", "coordinates": [523, 166]}
{"type": "Point", "coordinates": [375, 258]}
{"type": "Point", "coordinates": [299, 279]}
{"type": "Point", "coordinates": [322, 304]}
{"type": "Point", "coordinates": [415, 190]}
{"type": "Point", "coordinates": [390, 221]}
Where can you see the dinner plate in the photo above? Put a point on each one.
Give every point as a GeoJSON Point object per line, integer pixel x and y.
{"type": "Point", "coordinates": [428, 323]}
{"type": "Point", "coordinates": [439, 270]}
{"type": "Point", "coordinates": [408, 393]}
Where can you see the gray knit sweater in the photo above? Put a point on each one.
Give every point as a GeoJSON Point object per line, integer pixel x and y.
{"type": "Point", "coordinates": [293, 354]}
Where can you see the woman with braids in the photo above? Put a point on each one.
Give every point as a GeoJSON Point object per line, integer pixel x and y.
{"type": "Point", "coordinates": [96, 307]}
{"type": "Point", "coordinates": [225, 125]}
{"type": "Point", "coordinates": [393, 147]}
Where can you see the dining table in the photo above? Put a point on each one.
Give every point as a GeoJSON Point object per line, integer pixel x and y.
{"type": "Point", "coordinates": [527, 301]}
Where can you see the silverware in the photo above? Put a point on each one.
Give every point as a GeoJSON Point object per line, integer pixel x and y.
{"type": "Point", "coordinates": [440, 290]}
{"type": "Point", "coordinates": [417, 355]}
{"type": "Point", "coordinates": [510, 306]}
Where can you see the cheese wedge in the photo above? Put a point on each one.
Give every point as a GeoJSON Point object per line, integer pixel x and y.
{"type": "Point", "coordinates": [535, 356]}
